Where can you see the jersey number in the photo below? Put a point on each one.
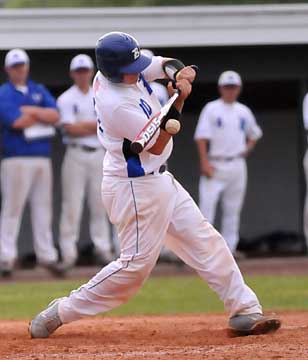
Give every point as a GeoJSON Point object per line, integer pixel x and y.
{"type": "Point", "coordinates": [146, 108]}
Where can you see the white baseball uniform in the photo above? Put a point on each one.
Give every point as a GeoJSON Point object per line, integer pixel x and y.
{"type": "Point", "coordinates": [82, 172]}
{"type": "Point", "coordinates": [305, 162]}
{"type": "Point", "coordinates": [145, 205]}
{"type": "Point", "coordinates": [226, 127]}
{"type": "Point", "coordinates": [160, 91]}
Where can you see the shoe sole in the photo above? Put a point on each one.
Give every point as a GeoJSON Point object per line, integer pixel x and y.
{"type": "Point", "coordinates": [264, 326]}
{"type": "Point", "coordinates": [29, 330]}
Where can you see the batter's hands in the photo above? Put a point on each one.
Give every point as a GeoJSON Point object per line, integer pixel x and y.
{"type": "Point", "coordinates": [183, 85]}
{"type": "Point", "coordinates": [187, 73]}
{"type": "Point", "coordinates": [207, 169]}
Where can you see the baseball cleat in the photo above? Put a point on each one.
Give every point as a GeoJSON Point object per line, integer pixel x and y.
{"type": "Point", "coordinates": [54, 268]}
{"type": "Point", "coordinates": [6, 268]}
{"type": "Point", "coordinates": [46, 322]}
{"type": "Point", "coordinates": [253, 324]}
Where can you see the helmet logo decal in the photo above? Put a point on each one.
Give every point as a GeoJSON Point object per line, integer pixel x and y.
{"type": "Point", "coordinates": [136, 53]}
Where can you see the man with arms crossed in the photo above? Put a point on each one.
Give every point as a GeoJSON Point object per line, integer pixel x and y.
{"type": "Point", "coordinates": [27, 110]}
{"type": "Point", "coordinates": [226, 133]}
{"type": "Point", "coordinates": [82, 168]}
{"type": "Point", "coordinates": [145, 202]}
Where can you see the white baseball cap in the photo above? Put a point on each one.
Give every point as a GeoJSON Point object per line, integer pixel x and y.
{"type": "Point", "coordinates": [15, 57]}
{"type": "Point", "coordinates": [229, 78]}
{"type": "Point", "coordinates": [147, 52]}
{"type": "Point", "coordinates": [81, 61]}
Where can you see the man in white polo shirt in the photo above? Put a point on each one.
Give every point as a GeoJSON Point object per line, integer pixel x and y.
{"type": "Point", "coordinates": [82, 168]}
{"type": "Point", "coordinates": [226, 133]}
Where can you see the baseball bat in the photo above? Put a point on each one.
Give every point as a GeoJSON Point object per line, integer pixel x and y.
{"type": "Point", "coordinates": [151, 127]}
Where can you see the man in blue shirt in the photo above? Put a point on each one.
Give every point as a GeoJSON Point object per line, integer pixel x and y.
{"type": "Point", "coordinates": [27, 113]}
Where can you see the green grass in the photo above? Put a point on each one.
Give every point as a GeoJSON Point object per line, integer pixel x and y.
{"type": "Point", "coordinates": [162, 295]}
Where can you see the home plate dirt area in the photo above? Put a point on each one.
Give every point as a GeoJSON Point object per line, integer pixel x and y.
{"type": "Point", "coordinates": [176, 337]}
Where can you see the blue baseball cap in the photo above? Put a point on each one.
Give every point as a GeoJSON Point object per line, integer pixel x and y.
{"type": "Point", "coordinates": [118, 53]}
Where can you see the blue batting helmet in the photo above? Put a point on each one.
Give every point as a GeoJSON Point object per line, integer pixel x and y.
{"type": "Point", "coordinates": [118, 53]}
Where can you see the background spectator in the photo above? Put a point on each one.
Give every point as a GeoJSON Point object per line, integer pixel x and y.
{"type": "Point", "coordinates": [82, 168]}
{"type": "Point", "coordinates": [226, 133]}
{"type": "Point", "coordinates": [27, 111]}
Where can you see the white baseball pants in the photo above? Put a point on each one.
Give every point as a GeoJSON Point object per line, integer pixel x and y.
{"type": "Point", "coordinates": [82, 173]}
{"type": "Point", "coordinates": [22, 179]}
{"type": "Point", "coordinates": [144, 210]}
{"type": "Point", "coordinates": [228, 184]}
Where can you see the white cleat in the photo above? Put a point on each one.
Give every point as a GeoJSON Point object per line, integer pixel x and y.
{"type": "Point", "coordinates": [46, 322]}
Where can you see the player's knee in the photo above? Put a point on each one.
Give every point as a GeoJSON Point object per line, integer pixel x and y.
{"type": "Point", "coordinates": [140, 267]}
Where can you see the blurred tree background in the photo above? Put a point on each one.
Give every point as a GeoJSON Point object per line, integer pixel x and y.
{"type": "Point", "coordinates": [102, 3]}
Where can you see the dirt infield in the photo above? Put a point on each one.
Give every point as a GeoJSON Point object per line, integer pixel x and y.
{"type": "Point", "coordinates": [186, 337]}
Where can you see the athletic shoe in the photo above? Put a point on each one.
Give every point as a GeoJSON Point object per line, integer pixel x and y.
{"type": "Point", "coordinates": [54, 268]}
{"type": "Point", "coordinates": [253, 324]}
{"type": "Point", "coordinates": [239, 255]}
{"type": "Point", "coordinates": [6, 269]}
{"type": "Point", "coordinates": [6, 273]}
{"type": "Point", "coordinates": [105, 258]}
{"type": "Point", "coordinates": [64, 266]}
{"type": "Point", "coordinates": [46, 322]}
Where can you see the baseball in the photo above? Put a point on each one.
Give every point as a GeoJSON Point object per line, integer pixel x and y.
{"type": "Point", "coordinates": [173, 126]}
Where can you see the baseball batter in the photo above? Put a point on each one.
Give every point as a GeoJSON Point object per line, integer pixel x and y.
{"type": "Point", "coordinates": [226, 133]}
{"type": "Point", "coordinates": [145, 202]}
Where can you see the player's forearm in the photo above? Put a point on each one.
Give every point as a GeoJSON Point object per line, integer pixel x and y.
{"type": "Point", "coordinates": [43, 115]}
{"type": "Point", "coordinates": [24, 122]}
{"type": "Point", "coordinates": [48, 116]}
{"type": "Point", "coordinates": [160, 143]}
{"type": "Point", "coordinates": [164, 137]}
{"type": "Point", "coordinates": [83, 128]}
{"type": "Point", "coordinates": [202, 150]}
{"type": "Point", "coordinates": [250, 145]}
{"type": "Point", "coordinates": [179, 104]}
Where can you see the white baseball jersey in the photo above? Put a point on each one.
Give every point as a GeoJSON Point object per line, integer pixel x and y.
{"type": "Point", "coordinates": [123, 110]}
{"type": "Point", "coordinates": [160, 91]}
{"type": "Point", "coordinates": [227, 126]}
{"type": "Point", "coordinates": [74, 106]}
{"type": "Point", "coordinates": [305, 111]}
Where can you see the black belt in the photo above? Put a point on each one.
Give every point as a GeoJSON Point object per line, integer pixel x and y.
{"type": "Point", "coordinates": [84, 147]}
{"type": "Point", "coordinates": [161, 170]}
{"type": "Point", "coordinates": [222, 158]}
